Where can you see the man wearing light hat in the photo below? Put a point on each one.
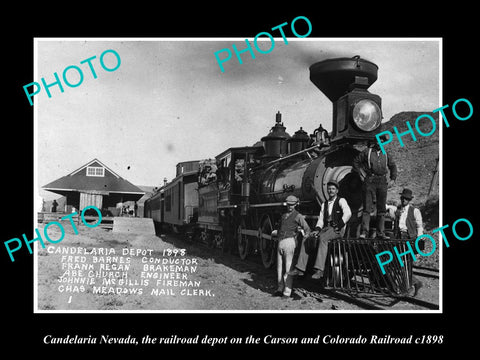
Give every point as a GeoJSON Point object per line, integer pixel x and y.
{"type": "Point", "coordinates": [289, 224]}
{"type": "Point", "coordinates": [334, 215]}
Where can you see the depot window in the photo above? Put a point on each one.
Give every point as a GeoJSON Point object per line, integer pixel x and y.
{"type": "Point", "coordinates": [95, 171]}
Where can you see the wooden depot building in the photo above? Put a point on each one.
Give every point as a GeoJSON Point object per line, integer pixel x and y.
{"type": "Point", "coordinates": [95, 184]}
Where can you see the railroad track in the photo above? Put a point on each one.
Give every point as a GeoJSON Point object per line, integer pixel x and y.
{"type": "Point", "coordinates": [370, 300]}
{"type": "Point", "coordinates": [375, 301]}
{"type": "Point", "coordinates": [309, 288]}
{"type": "Point", "coordinates": [425, 272]}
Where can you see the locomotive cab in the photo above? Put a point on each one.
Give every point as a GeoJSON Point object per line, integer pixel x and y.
{"type": "Point", "coordinates": [221, 198]}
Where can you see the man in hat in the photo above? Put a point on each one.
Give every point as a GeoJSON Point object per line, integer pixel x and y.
{"type": "Point", "coordinates": [334, 215]}
{"type": "Point", "coordinates": [408, 219]}
{"type": "Point", "coordinates": [373, 166]}
{"type": "Point", "coordinates": [408, 225]}
{"type": "Point", "coordinates": [54, 206]}
{"type": "Point", "coordinates": [289, 224]}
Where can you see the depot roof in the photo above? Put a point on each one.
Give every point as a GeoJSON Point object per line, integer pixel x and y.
{"type": "Point", "coordinates": [94, 176]}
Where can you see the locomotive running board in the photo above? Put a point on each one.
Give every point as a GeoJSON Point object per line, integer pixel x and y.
{"type": "Point", "coordinates": [287, 157]}
{"type": "Point", "coordinates": [268, 205]}
{"type": "Point", "coordinates": [249, 232]}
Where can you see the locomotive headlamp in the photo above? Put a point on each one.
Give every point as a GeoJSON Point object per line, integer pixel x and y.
{"type": "Point", "coordinates": [367, 115]}
{"type": "Point", "coordinates": [357, 113]}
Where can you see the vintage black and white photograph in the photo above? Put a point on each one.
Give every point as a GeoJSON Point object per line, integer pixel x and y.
{"type": "Point", "coordinates": [238, 175]}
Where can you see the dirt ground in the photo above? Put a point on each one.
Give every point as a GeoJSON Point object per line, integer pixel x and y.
{"type": "Point", "coordinates": [211, 281]}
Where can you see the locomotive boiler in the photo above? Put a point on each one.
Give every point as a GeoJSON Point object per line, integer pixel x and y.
{"type": "Point", "coordinates": [235, 200]}
{"type": "Point", "coordinates": [242, 191]}
{"type": "Point", "coordinates": [303, 164]}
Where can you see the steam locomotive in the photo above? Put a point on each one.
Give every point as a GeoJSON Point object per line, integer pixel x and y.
{"type": "Point", "coordinates": [235, 200]}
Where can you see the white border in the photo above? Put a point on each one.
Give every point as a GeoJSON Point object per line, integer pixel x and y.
{"type": "Point", "coordinates": [35, 178]}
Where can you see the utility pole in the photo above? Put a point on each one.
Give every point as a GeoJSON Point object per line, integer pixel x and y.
{"type": "Point", "coordinates": [434, 181]}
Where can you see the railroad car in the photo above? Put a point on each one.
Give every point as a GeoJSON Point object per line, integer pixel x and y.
{"type": "Point", "coordinates": [175, 205]}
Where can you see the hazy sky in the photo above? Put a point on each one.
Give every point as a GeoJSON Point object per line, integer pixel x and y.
{"type": "Point", "coordinates": [169, 102]}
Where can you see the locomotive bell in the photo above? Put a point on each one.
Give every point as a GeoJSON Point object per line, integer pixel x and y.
{"type": "Point", "coordinates": [275, 142]}
{"type": "Point", "coordinates": [298, 142]}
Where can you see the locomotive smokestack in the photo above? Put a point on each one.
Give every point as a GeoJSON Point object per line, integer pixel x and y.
{"type": "Point", "coordinates": [335, 77]}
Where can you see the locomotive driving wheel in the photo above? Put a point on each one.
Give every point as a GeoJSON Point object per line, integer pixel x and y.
{"type": "Point", "coordinates": [242, 240]}
{"type": "Point", "coordinates": [267, 244]}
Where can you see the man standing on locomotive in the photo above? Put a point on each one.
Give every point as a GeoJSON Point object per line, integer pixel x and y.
{"type": "Point", "coordinates": [331, 224]}
{"type": "Point", "coordinates": [373, 165]}
{"type": "Point", "coordinates": [289, 224]}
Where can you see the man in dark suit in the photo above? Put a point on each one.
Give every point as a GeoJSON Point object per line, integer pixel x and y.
{"type": "Point", "coordinates": [408, 225]}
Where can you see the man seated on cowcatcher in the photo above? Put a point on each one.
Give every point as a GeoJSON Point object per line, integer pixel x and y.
{"type": "Point", "coordinates": [331, 224]}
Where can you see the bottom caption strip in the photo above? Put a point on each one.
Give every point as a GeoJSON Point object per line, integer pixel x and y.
{"type": "Point", "coordinates": [248, 340]}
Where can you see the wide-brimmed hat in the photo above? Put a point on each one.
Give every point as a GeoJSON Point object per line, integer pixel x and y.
{"type": "Point", "coordinates": [334, 183]}
{"type": "Point", "coordinates": [292, 200]}
{"type": "Point", "coordinates": [407, 194]}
